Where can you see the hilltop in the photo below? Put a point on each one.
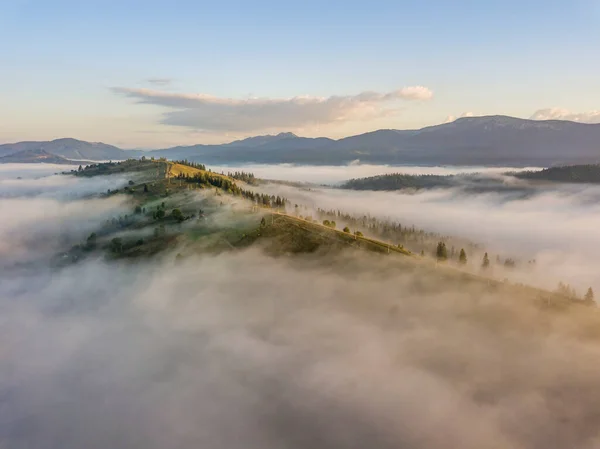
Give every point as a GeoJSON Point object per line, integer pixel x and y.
{"type": "Point", "coordinates": [175, 183]}
{"type": "Point", "coordinates": [189, 209]}
{"type": "Point", "coordinates": [491, 140]}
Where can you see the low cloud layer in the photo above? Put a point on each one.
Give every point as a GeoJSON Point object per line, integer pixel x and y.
{"type": "Point", "coordinates": [557, 227]}
{"type": "Point", "coordinates": [336, 174]}
{"type": "Point", "coordinates": [565, 114]}
{"type": "Point", "coordinates": [27, 171]}
{"type": "Point", "coordinates": [227, 351]}
{"type": "Point", "coordinates": [216, 114]}
{"type": "Point", "coordinates": [44, 213]}
{"type": "Point", "coordinates": [241, 350]}
{"type": "Point", "coordinates": [58, 186]}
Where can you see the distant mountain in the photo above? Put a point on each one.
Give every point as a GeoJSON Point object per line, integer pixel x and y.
{"type": "Point", "coordinates": [284, 147]}
{"type": "Point", "coordinates": [36, 156]}
{"type": "Point", "coordinates": [261, 140]}
{"type": "Point", "coordinates": [69, 149]}
{"type": "Point", "coordinates": [492, 140]}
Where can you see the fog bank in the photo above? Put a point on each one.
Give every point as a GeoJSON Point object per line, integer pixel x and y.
{"type": "Point", "coordinates": [46, 181]}
{"type": "Point", "coordinates": [13, 171]}
{"type": "Point", "coordinates": [228, 351]}
{"type": "Point", "coordinates": [44, 213]}
{"type": "Point", "coordinates": [556, 227]}
{"type": "Point", "coordinates": [242, 350]}
{"type": "Point", "coordinates": [336, 174]}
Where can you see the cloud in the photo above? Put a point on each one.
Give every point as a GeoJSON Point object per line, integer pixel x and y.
{"type": "Point", "coordinates": [57, 186]}
{"type": "Point", "coordinates": [452, 118]}
{"type": "Point", "coordinates": [37, 227]}
{"type": "Point", "coordinates": [209, 113]}
{"type": "Point", "coordinates": [227, 351]}
{"type": "Point", "coordinates": [565, 114]}
{"type": "Point", "coordinates": [159, 81]}
{"type": "Point", "coordinates": [45, 213]}
{"type": "Point", "coordinates": [336, 174]}
{"type": "Point", "coordinates": [557, 226]}
{"type": "Point", "coordinates": [415, 93]}
{"type": "Point", "coordinates": [241, 350]}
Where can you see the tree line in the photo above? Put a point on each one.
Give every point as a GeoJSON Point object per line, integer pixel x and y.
{"type": "Point", "coordinates": [208, 178]}
{"type": "Point", "coordinates": [191, 164]}
{"type": "Point", "coordinates": [415, 239]}
{"type": "Point", "coordinates": [246, 177]}
{"type": "Point", "coordinates": [398, 181]}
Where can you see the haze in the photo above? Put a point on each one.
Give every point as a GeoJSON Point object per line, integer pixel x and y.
{"type": "Point", "coordinates": [336, 174]}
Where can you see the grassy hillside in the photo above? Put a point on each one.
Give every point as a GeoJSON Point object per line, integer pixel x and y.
{"type": "Point", "coordinates": [180, 170]}
{"type": "Point", "coordinates": [288, 234]}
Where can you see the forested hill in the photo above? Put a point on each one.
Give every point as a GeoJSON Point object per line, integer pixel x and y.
{"type": "Point", "coordinates": [398, 181]}
{"type": "Point", "coordinates": [571, 173]}
{"type": "Point", "coordinates": [478, 182]}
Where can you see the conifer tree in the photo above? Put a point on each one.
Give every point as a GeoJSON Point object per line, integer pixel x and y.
{"type": "Point", "coordinates": [486, 261]}
{"type": "Point", "coordinates": [441, 252]}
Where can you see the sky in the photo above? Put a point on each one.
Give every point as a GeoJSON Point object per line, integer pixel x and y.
{"type": "Point", "coordinates": [154, 74]}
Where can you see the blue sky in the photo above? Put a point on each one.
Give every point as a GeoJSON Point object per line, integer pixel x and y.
{"type": "Point", "coordinates": [129, 72]}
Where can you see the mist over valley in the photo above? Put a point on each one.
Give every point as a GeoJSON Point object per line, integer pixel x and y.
{"type": "Point", "coordinates": [235, 323]}
{"type": "Point", "coordinates": [299, 225]}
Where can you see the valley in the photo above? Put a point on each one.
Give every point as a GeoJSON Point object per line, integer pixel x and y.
{"type": "Point", "coordinates": [299, 225]}
{"type": "Point", "coordinates": [167, 280]}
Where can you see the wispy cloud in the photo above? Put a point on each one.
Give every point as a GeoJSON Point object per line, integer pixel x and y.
{"type": "Point", "coordinates": [159, 81]}
{"type": "Point", "coordinates": [565, 114]}
{"type": "Point", "coordinates": [210, 113]}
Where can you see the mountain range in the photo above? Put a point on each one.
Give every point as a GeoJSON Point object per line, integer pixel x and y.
{"type": "Point", "coordinates": [33, 156]}
{"type": "Point", "coordinates": [490, 140]}
{"type": "Point", "coordinates": [68, 149]}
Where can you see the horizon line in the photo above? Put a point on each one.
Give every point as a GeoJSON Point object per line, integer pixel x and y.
{"type": "Point", "coordinates": [303, 137]}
